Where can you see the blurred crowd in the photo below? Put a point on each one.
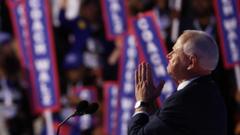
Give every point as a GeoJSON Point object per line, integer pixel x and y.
{"type": "Point", "coordinates": [86, 58]}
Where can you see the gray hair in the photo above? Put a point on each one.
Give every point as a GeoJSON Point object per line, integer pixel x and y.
{"type": "Point", "coordinates": [203, 46]}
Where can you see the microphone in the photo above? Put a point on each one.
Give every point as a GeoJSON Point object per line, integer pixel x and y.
{"type": "Point", "coordinates": [81, 107]}
{"type": "Point", "coordinates": [92, 108]}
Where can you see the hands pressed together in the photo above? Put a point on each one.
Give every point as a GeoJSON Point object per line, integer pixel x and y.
{"type": "Point", "coordinates": [144, 86]}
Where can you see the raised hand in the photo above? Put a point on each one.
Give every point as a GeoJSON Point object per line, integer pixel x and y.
{"type": "Point", "coordinates": [144, 87]}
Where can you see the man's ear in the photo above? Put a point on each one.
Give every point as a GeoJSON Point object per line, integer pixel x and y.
{"type": "Point", "coordinates": [193, 62]}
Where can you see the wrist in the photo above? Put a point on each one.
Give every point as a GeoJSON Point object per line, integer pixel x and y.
{"type": "Point", "coordinates": [141, 109]}
{"type": "Point", "coordinates": [143, 106]}
{"type": "Point", "coordinates": [141, 103]}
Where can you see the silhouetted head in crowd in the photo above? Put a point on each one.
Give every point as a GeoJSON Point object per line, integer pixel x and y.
{"type": "Point", "coordinates": [90, 10]}
{"type": "Point", "coordinates": [162, 4]}
{"type": "Point", "coordinates": [9, 62]}
{"type": "Point", "coordinates": [138, 6]}
{"type": "Point", "coordinates": [202, 8]}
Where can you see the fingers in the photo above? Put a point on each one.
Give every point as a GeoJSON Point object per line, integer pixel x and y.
{"type": "Point", "coordinates": [142, 72]}
{"type": "Point", "coordinates": [148, 73]}
{"type": "Point", "coordinates": [145, 89]}
{"type": "Point", "coordinates": [139, 73]}
{"type": "Point", "coordinates": [137, 76]}
{"type": "Point", "coordinates": [142, 78]}
{"type": "Point", "coordinates": [142, 92]}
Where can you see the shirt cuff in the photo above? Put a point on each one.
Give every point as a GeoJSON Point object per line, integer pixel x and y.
{"type": "Point", "coordinates": [140, 112]}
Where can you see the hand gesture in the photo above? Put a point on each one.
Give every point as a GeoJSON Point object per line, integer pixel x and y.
{"type": "Point", "coordinates": [144, 87]}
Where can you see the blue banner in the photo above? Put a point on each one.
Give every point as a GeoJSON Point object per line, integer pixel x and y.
{"type": "Point", "coordinates": [115, 18]}
{"type": "Point", "coordinates": [153, 49]}
{"type": "Point", "coordinates": [128, 65]}
{"type": "Point", "coordinates": [110, 107]}
{"type": "Point", "coordinates": [229, 30]}
{"type": "Point", "coordinates": [42, 61]}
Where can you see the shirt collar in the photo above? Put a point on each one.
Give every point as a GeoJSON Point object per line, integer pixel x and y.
{"type": "Point", "coordinates": [185, 83]}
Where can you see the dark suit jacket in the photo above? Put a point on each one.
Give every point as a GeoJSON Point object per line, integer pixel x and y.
{"type": "Point", "coordinates": [197, 109]}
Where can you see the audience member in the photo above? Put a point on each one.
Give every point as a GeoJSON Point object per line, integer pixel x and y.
{"type": "Point", "coordinates": [14, 98]}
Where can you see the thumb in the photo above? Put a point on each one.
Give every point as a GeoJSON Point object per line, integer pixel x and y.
{"type": "Point", "coordinates": [158, 89]}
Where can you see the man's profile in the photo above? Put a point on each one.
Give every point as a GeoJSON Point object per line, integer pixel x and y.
{"type": "Point", "coordinates": [197, 108]}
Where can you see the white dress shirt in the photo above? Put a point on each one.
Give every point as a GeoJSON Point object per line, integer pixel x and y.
{"type": "Point", "coordinates": [185, 83]}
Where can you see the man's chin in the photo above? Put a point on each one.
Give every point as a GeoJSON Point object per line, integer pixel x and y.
{"type": "Point", "coordinates": [170, 73]}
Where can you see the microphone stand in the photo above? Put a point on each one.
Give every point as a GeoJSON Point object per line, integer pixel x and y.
{"type": "Point", "coordinates": [66, 119]}
{"type": "Point", "coordinates": [82, 105]}
{"type": "Point", "coordinates": [90, 110]}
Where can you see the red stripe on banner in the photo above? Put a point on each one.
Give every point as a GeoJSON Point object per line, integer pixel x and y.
{"type": "Point", "coordinates": [105, 112]}
{"type": "Point", "coordinates": [106, 85]}
{"type": "Point", "coordinates": [128, 15]}
{"type": "Point", "coordinates": [11, 6]}
{"type": "Point", "coordinates": [238, 7]}
{"type": "Point", "coordinates": [52, 53]}
{"type": "Point", "coordinates": [238, 11]}
{"type": "Point", "coordinates": [238, 17]}
{"type": "Point", "coordinates": [104, 10]}
{"type": "Point", "coordinates": [221, 36]}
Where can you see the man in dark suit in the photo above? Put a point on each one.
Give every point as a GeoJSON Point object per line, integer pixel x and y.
{"type": "Point", "coordinates": [197, 107]}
